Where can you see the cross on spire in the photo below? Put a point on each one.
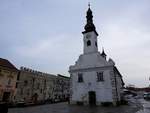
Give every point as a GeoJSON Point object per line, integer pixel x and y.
{"type": "Point", "coordinates": [89, 4]}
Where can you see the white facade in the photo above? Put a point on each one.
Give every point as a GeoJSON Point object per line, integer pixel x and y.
{"type": "Point", "coordinates": [92, 37]}
{"type": "Point", "coordinates": [94, 80]}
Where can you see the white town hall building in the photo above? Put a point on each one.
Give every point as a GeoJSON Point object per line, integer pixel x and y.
{"type": "Point", "coordinates": [94, 79]}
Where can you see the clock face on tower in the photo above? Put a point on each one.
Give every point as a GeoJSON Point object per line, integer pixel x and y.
{"type": "Point", "coordinates": [88, 36]}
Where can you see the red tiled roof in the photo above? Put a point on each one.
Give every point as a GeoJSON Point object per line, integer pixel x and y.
{"type": "Point", "coordinates": [7, 64]}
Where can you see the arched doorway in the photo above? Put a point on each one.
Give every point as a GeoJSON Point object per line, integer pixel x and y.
{"type": "Point", "coordinates": [35, 98]}
{"type": "Point", "coordinates": [92, 98]}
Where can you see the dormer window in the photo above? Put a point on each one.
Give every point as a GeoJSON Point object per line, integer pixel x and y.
{"type": "Point", "coordinates": [88, 43]}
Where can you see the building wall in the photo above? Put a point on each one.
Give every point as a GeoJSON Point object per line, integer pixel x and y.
{"type": "Point", "coordinates": [34, 85]}
{"type": "Point", "coordinates": [63, 84]}
{"type": "Point", "coordinates": [93, 38]}
{"type": "Point", "coordinates": [37, 86]}
{"type": "Point", "coordinates": [103, 89]}
{"type": "Point", "coordinates": [89, 65]}
{"type": "Point", "coordinates": [8, 79]}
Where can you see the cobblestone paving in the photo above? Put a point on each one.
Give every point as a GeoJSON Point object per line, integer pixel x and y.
{"type": "Point", "coordinates": [65, 108]}
{"type": "Point", "coordinates": [145, 106]}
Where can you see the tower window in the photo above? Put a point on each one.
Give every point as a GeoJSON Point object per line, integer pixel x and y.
{"type": "Point", "coordinates": [100, 76]}
{"type": "Point", "coordinates": [88, 43]}
{"type": "Point", "coordinates": [96, 44]}
{"type": "Point", "coordinates": [80, 77]}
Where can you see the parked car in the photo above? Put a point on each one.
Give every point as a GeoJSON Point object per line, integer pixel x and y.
{"type": "Point", "coordinates": [146, 96]}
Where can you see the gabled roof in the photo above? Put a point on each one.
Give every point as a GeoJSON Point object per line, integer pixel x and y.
{"type": "Point", "coordinates": [115, 68]}
{"type": "Point", "coordinates": [7, 64]}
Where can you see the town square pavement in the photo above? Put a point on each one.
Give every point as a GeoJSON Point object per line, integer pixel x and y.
{"type": "Point", "coordinates": [66, 108]}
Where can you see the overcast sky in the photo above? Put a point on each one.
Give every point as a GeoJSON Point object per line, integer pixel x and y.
{"type": "Point", "coordinates": [46, 34]}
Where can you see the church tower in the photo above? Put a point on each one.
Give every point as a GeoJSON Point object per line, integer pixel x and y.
{"type": "Point", "coordinates": [94, 79]}
{"type": "Point", "coordinates": [90, 34]}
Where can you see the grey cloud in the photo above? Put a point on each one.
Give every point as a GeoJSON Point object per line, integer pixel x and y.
{"type": "Point", "coordinates": [47, 35]}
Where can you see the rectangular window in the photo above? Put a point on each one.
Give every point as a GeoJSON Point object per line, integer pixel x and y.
{"type": "Point", "coordinates": [100, 76]}
{"type": "Point", "coordinates": [44, 84]}
{"type": "Point", "coordinates": [18, 76]}
{"type": "Point", "coordinates": [80, 77]}
{"type": "Point", "coordinates": [38, 85]}
{"type": "Point", "coordinates": [1, 73]}
{"type": "Point", "coordinates": [21, 91]}
{"type": "Point", "coordinates": [25, 83]}
{"type": "Point", "coordinates": [16, 85]}
{"type": "Point", "coordinates": [41, 90]}
{"type": "Point", "coordinates": [28, 92]}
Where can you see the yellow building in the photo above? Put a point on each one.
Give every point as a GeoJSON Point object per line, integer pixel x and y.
{"type": "Point", "coordinates": [8, 80]}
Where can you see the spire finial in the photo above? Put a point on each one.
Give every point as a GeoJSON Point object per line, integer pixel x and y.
{"type": "Point", "coordinates": [89, 5]}
{"type": "Point", "coordinates": [103, 48]}
{"type": "Point", "coordinates": [103, 52]}
{"type": "Point", "coordinates": [89, 18]}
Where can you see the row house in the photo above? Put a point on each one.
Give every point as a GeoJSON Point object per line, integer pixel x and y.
{"type": "Point", "coordinates": [34, 86]}
{"type": "Point", "coordinates": [61, 89]}
{"type": "Point", "coordinates": [28, 85]}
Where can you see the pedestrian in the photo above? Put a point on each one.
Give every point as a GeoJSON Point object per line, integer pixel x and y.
{"type": "Point", "coordinates": [68, 100]}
